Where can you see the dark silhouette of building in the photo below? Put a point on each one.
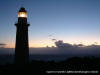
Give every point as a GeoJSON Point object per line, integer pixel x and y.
{"type": "Point", "coordinates": [22, 47]}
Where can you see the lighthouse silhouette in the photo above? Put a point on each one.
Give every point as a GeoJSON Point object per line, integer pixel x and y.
{"type": "Point", "coordinates": [22, 46]}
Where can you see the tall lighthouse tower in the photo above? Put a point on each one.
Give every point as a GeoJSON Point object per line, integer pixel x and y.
{"type": "Point", "coordinates": [22, 47]}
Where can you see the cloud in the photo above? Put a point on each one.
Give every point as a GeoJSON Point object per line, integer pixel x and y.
{"type": "Point", "coordinates": [54, 40]}
{"type": "Point", "coordinates": [61, 44]}
{"type": "Point", "coordinates": [2, 44]}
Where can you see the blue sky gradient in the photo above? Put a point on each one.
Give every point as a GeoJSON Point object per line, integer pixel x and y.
{"type": "Point", "coordinates": [72, 21]}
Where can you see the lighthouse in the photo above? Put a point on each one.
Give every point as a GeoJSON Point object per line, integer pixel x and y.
{"type": "Point", "coordinates": [21, 45]}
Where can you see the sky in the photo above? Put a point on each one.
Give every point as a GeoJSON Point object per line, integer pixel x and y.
{"type": "Point", "coordinates": [73, 21]}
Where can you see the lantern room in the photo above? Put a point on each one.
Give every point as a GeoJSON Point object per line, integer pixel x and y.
{"type": "Point", "coordinates": [22, 13]}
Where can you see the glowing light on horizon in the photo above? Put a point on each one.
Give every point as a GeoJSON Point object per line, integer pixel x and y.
{"type": "Point", "coordinates": [44, 42]}
{"type": "Point", "coordinates": [50, 44]}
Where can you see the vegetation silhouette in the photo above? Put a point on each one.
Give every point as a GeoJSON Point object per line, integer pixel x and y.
{"type": "Point", "coordinates": [40, 67]}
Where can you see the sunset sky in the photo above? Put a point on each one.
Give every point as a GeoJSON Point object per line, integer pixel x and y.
{"type": "Point", "coordinates": [73, 21]}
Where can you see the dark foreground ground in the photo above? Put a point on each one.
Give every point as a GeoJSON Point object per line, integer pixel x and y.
{"type": "Point", "coordinates": [75, 65]}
